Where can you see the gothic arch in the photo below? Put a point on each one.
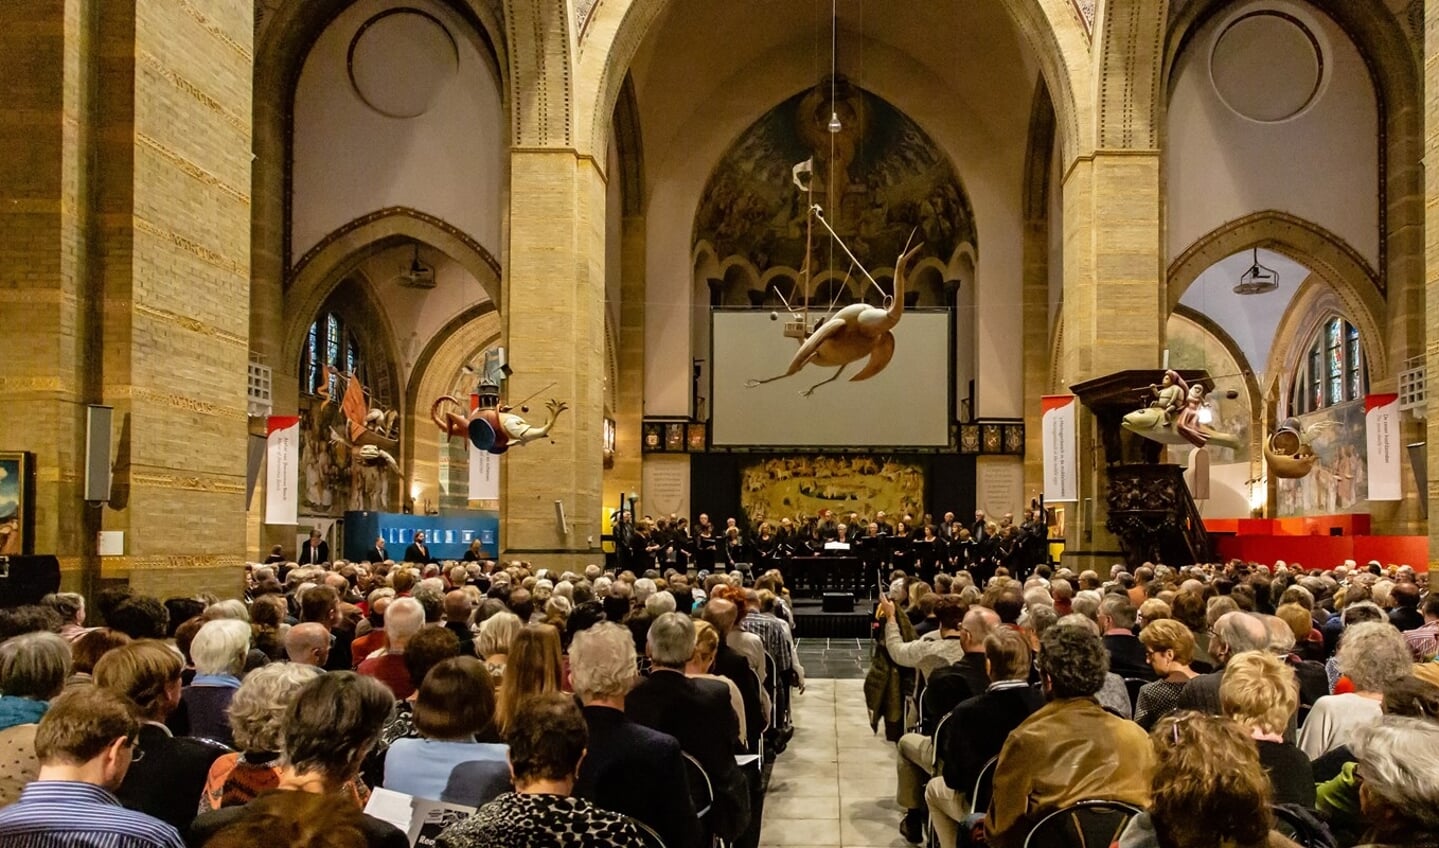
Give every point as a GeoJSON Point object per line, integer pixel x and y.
{"type": "Point", "coordinates": [342, 251]}
{"type": "Point", "coordinates": [360, 308]}
{"type": "Point", "coordinates": [615, 29]}
{"type": "Point", "coordinates": [1328, 257]}
{"type": "Point", "coordinates": [1313, 305]}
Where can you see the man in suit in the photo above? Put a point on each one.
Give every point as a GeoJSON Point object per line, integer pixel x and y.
{"type": "Point", "coordinates": [377, 552]}
{"type": "Point", "coordinates": [1127, 656]}
{"type": "Point", "coordinates": [979, 530]}
{"type": "Point", "coordinates": [316, 551]}
{"type": "Point", "coordinates": [418, 551]}
{"type": "Point", "coordinates": [976, 730]}
{"type": "Point", "coordinates": [628, 768]}
{"type": "Point", "coordinates": [698, 714]}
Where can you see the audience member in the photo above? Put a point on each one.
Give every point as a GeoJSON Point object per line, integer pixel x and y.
{"type": "Point", "coordinates": [494, 640]}
{"type": "Point", "coordinates": [166, 781]}
{"type": "Point", "coordinates": [295, 820]}
{"type": "Point", "coordinates": [701, 665]}
{"type": "Point", "coordinates": [628, 768]}
{"type": "Point", "coordinates": [308, 644]}
{"type": "Point", "coordinates": [1233, 632]}
{"type": "Point", "coordinates": [85, 745]}
{"type": "Point", "coordinates": [546, 738]}
{"type": "Point", "coordinates": [535, 666]}
{"type": "Point", "coordinates": [403, 619]}
{"type": "Point", "coordinates": [1127, 655]}
{"type": "Point", "coordinates": [1399, 791]}
{"type": "Point", "coordinates": [455, 757]}
{"type": "Point", "coordinates": [1169, 647]}
{"type": "Point", "coordinates": [1371, 655]}
{"type": "Point", "coordinates": [219, 652]}
{"type": "Point", "coordinates": [328, 727]}
{"type": "Point", "coordinates": [88, 649]}
{"type": "Point", "coordinates": [1261, 694]}
{"type": "Point", "coordinates": [33, 668]}
{"type": "Point", "coordinates": [71, 609]}
{"type": "Point", "coordinates": [1070, 749]}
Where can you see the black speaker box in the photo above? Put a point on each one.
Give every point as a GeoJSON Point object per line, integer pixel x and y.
{"type": "Point", "coordinates": [27, 579]}
{"type": "Point", "coordinates": [838, 602]}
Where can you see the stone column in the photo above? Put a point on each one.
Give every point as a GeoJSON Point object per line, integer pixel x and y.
{"type": "Point", "coordinates": [48, 295]}
{"type": "Point", "coordinates": [1114, 298]}
{"type": "Point", "coordinates": [554, 319]}
{"type": "Point", "coordinates": [129, 284]}
{"type": "Point", "coordinates": [626, 475]}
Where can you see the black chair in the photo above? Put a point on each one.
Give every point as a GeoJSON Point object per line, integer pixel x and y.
{"type": "Point", "coordinates": [647, 833]}
{"type": "Point", "coordinates": [1300, 826]}
{"type": "Point", "coordinates": [1134, 684]}
{"type": "Point", "coordinates": [701, 790]}
{"type": "Point", "coordinates": [1087, 824]}
{"type": "Point", "coordinates": [983, 788]}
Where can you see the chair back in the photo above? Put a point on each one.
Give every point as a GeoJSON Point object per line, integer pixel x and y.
{"type": "Point", "coordinates": [1086, 824]}
{"type": "Point", "coordinates": [1134, 684]}
{"type": "Point", "coordinates": [701, 790]}
{"type": "Point", "coordinates": [1301, 827]}
{"type": "Point", "coordinates": [648, 837]}
{"type": "Point", "coordinates": [983, 788]}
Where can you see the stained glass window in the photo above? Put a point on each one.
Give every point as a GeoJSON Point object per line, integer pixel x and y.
{"type": "Point", "coordinates": [330, 343]}
{"type": "Point", "coordinates": [1332, 372]}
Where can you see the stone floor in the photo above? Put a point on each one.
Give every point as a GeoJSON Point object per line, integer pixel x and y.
{"type": "Point", "coordinates": [834, 784]}
{"type": "Point", "coordinates": [838, 659]}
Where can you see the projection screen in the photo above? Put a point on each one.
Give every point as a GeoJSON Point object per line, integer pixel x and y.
{"type": "Point", "coordinates": [905, 405]}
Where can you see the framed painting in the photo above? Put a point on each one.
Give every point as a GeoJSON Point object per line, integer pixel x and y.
{"type": "Point", "coordinates": [17, 508]}
{"type": "Point", "coordinates": [695, 438]}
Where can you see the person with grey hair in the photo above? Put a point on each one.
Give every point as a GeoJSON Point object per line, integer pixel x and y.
{"type": "Point", "coordinates": [1086, 603]}
{"type": "Point", "coordinates": [659, 603]}
{"type": "Point", "coordinates": [71, 609]}
{"type": "Point", "coordinates": [403, 619]}
{"type": "Point", "coordinates": [257, 714]}
{"type": "Point", "coordinates": [1398, 764]}
{"type": "Point", "coordinates": [1234, 633]}
{"type": "Point", "coordinates": [1127, 656]}
{"type": "Point", "coordinates": [219, 652]}
{"type": "Point", "coordinates": [33, 668]}
{"type": "Point", "coordinates": [493, 642]}
{"type": "Point", "coordinates": [1372, 655]}
{"type": "Point", "coordinates": [698, 714]}
{"type": "Point", "coordinates": [628, 768]}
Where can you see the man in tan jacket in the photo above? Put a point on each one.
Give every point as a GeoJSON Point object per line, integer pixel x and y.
{"type": "Point", "coordinates": [1070, 750]}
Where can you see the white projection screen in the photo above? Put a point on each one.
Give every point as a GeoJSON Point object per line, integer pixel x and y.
{"type": "Point", "coordinates": [905, 405]}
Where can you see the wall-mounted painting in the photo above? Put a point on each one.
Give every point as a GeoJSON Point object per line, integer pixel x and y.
{"type": "Point", "coordinates": [1339, 482]}
{"type": "Point", "coordinates": [798, 486]}
{"type": "Point", "coordinates": [17, 509]}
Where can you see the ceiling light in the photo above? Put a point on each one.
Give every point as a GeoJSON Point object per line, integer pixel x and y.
{"type": "Point", "coordinates": [1258, 279]}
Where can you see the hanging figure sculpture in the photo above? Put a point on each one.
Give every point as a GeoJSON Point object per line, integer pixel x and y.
{"type": "Point", "coordinates": [851, 334]}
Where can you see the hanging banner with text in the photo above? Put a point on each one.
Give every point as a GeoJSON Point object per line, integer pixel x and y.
{"type": "Point", "coordinates": [282, 469]}
{"type": "Point", "coordinates": [1381, 426]}
{"type": "Point", "coordinates": [484, 475]}
{"type": "Point", "coordinates": [1061, 471]}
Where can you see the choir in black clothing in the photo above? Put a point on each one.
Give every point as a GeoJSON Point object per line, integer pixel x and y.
{"type": "Point", "coordinates": [923, 547]}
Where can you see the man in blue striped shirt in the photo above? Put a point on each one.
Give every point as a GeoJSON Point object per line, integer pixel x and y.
{"type": "Point", "coordinates": [85, 744]}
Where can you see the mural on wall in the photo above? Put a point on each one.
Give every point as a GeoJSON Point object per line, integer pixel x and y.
{"type": "Point", "coordinates": [796, 486]}
{"type": "Point", "coordinates": [1191, 346]}
{"type": "Point", "coordinates": [1339, 482]}
{"type": "Point", "coordinates": [347, 455]}
{"type": "Point", "coordinates": [879, 179]}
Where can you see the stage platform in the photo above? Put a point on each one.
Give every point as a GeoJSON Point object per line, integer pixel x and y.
{"type": "Point", "coordinates": [812, 622]}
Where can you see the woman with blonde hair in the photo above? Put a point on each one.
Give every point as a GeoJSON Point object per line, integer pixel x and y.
{"type": "Point", "coordinates": [1261, 693]}
{"type": "Point", "coordinates": [702, 662]}
{"type": "Point", "coordinates": [535, 665]}
{"type": "Point", "coordinates": [1169, 648]}
{"type": "Point", "coordinates": [493, 642]}
{"type": "Point", "coordinates": [1208, 788]}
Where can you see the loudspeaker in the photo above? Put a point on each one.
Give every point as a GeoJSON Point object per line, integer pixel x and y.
{"type": "Point", "coordinates": [27, 579]}
{"type": "Point", "coordinates": [97, 452]}
{"type": "Point", "coordinates": [837, 602]}
{"type": "Point", "coordinates": [1419, 462]}
{"type": "Point", "coordinates": [560, 518]}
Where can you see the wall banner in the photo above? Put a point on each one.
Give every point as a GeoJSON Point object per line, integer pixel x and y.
{"type": "Point", "coordinates": [1061, 469]}
{"type": "Point", "coordinates": [282, 472]}
{"type": "Point", "coordinates": [1385, 454]}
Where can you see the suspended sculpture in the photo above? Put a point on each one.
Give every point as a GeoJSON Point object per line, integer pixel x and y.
{"type": "Point", "coordinates": [1288, 451]}
{"type": "Point", "coordinates": [366, 440]}
{"type": "Point", "coordinates": [492, 427]}
{"type": "Point", "coordinates": [1173, 417]}
{"type": "Point", "coordinates": [854, 332]}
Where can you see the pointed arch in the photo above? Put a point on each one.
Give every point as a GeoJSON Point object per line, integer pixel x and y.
{"type": "Point", "coordinates": [1327, 256]}
{"type": "Point", "coordinates": [343, 250]}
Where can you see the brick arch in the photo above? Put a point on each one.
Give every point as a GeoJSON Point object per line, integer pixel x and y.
{"type": "Point", "coordinates": [342, 251]}
{"type": "Point", "coordinates": [1353, 283]}
{"type": "Point", "coordinates": [1129, 40]}
{"type": "Point", "coordinates": [1313, 305]}
{"type": "Point", "coordinates": [615, 29]}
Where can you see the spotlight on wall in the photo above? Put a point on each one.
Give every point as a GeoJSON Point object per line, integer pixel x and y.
{"type": "Point", "coordinates": [834, 123]}
{"type": "Point", "coordinates": [609, 441]}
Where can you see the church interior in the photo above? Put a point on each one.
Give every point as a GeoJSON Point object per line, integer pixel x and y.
{"type": "Point", "coordinates": [222, 217]}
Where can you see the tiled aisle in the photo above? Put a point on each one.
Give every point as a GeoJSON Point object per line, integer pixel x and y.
{"type": "Point", "coordinates": [834, 784]}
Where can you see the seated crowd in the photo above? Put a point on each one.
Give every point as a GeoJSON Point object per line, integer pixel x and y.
{"type": "Point", "coordinates": [1212, 705]}
{"type": "Point", "coordinates": [598, 708]}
